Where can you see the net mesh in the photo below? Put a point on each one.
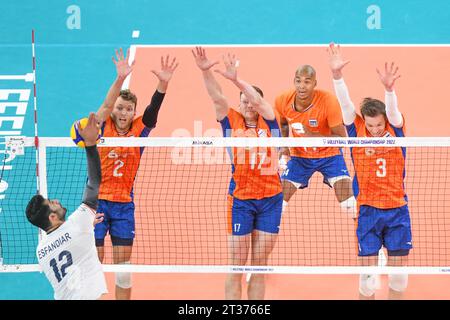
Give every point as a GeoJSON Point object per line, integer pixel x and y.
{"type": "Point", "coordinates": [181, 213]}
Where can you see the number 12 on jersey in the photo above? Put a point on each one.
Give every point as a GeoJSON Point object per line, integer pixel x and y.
{"type": "Point", "coordinates": [60, 274]}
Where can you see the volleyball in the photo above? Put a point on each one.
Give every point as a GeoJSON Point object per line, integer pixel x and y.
{"type": "Point", "coordinates": [75, 134]}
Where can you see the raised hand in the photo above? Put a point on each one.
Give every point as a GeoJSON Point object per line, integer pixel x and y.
{"type": "Point", "coordinates": [90, 132]}
{"type": "Point", "coordinates": [201, 60]}
{"type": "Point", "coordinates": [123, 68]}
{"type": "Point", "coordinates": [231, 65]}
{"type": "Point", "coordinates": [389, 77]}
{"type": "Point", "coordinates": [335, 60]}
{"type": "Point", "coordinates": [166, 69]}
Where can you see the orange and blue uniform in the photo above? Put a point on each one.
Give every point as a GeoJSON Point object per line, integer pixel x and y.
{"type": "Point", "coordinates": [378, 186]}
{"type": "Point", "coordinates": [120, 164]}
{"type": "Point", "coordinates": [323, 114]}
{"type": "Point", "coordinates": [255, 194]}
{"type": "Point", "coordinates": [119, 168]}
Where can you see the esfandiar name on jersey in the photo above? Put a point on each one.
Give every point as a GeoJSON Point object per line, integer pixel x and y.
{"type": "Point", "coordinates": [54, 245]}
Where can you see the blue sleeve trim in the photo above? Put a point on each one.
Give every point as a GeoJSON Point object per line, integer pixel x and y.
{"type": "Point", "coordinates": [226, 126]}
{"type": "Point", "coordinates": [351, 130]}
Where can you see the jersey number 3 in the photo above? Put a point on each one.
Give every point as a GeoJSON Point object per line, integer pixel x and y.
{"type": "Point", "coordinates": [381, 172]}
{"type": "Point", "coordinates": [60, 274]}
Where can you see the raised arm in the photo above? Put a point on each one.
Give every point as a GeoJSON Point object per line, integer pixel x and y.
{"type": "Point", "coordinates": [337, 63]}
{"type": "Point", "coordinates": [388, 79]}
{"type": "Point", "coordinates": [212, 86]}
{"type": "Point", "coordinates": [259, 103]}
{"type": "Point", "coordinates": [150, 115]}
{"type": "Point", "coordinates": [90, 134]}
{"type": "Point", "coordinates": [123, 69]}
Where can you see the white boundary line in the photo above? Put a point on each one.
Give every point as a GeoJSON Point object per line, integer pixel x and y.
{"type": "Point", "coordinates": [368, 45]}
{"type": "Point", "coordinates": [28, 77]}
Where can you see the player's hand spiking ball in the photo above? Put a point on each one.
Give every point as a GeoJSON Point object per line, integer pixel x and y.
{"type": "Point", "coordinates": [90, 132]}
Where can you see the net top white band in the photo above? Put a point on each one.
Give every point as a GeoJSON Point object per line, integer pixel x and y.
{"type": "Point", "coordinates": [241, 142]}
{"type": "Point", "coordinates": [245, 269]}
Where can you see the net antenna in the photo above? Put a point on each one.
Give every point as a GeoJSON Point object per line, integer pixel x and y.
{"type": "Point", "coordinates": [36, 139]}
{"type": "Point", "coordinates": [40, 185]}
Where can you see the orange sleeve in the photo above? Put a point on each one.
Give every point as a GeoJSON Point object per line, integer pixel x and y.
{"type": "Point", "coordinates": [232, 114]}
{"type": "Point", "coordinates": [138, 126]}
{"type": "Point", "coordinates": [359, 122]}
{"type": "Point", "coordinates": [334, 115]}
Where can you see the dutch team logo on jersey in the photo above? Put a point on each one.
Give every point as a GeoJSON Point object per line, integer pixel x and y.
{"type": "Point", "coordinates": [262, 133]}
{"type": "Point", "coordinates": [370, 152]}
{"type": "Point", "coordinates": [313, 123]}
{"type": "Point", "coordinates": [113, 155]}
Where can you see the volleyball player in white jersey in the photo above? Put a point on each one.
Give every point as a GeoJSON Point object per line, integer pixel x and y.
{"type": "Point", "coordinates": [67, 253]}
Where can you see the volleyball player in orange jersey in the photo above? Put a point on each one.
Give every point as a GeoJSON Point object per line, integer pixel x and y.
{"type": "Point", "coordinates": [310, 112]}
{"type": "Point", "coordinates": [120, 164]}
{"type": "Point", "coordinates": [383, 215]}
{"type": "Point", "coordinates": [255, 197]}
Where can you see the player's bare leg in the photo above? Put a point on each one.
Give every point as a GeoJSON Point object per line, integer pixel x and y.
{"type": "Point", "coordinates": [101, 253]}
{"type": "Point", "coordinates": [262, 245]}
{"type": "Point", "coordinates": [397, 282]}
{"type": "Point", "coordinates": [343, 189]}
{"type": "Point", "coordinates": [367, 282]}
{"type": "Point", "coordinates": [122, 254]}
{"type": "Point", "coordinates": [238, 249]}
{"type": "Point", "coordinates": [288, 189]}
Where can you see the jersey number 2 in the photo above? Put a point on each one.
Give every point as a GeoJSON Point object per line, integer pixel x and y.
{"type": "Point", "coordinates": [60, 275]}
{"type": "Point", "coordinates": [117, 165]}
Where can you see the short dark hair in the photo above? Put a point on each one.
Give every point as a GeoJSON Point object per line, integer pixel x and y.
{"type": "Point", "coordinates": [372, 107]}
{"type": "Point", "coordinates": [127, 95]}
{"type": "Point", "coordinates": [257, 90]}
{"type": "Point", "coordinates": [38, 212]}
{"type": "Point", "coordinates": [306, 69]}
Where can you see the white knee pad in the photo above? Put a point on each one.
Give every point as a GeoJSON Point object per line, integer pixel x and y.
{"type": "Point", "coordinates": [349, 206]}
{"type": "Point", "coordinates": [297, 185]}
{"type": "Point", "coordinates": [332, 181]}
{"type": "Point", "coordinates": [398, 282]}
{"type": "Point", "coordinates": [367, 284]}
{"type": "Point", "coordinates": [285, 204]}
{"type": "Point", "coordinates": [123, 279]}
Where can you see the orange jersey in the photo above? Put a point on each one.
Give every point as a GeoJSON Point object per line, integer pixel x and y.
{"type": "Point", "coordinates": [379, 171]}
{"type": "Point", "coordinates": [120, 164]}
{"type": "Point", "coordinates": [323, 114]}
{"type": "Point", "coordinates": [255, 170]}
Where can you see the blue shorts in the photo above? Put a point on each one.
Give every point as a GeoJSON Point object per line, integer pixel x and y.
{"type": "Point", "coordinates": [118, 220]}
{"type": "Point", "coordinates": [388, 227]}
{"type": "Point", "coordinates": [248, 215]}
{"type": "Point", "coordinates": [299, 170]}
